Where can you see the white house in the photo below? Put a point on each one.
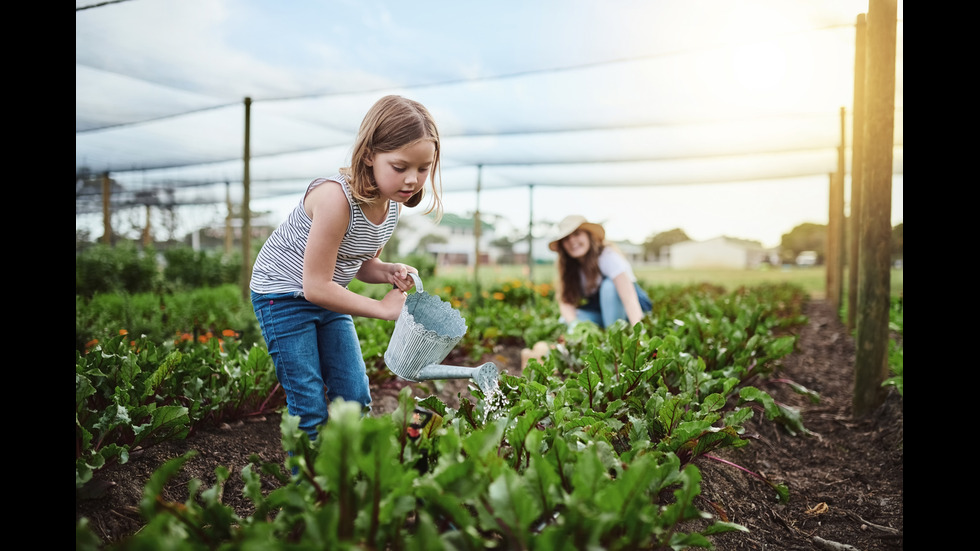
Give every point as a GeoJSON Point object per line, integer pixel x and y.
{"type": "Point", "coordinates": [459, 246]}
{"type": "Point", "coordinates": [720, 252]}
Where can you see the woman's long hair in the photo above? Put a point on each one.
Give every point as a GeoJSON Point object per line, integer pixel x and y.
{"type": "Point", "coordinates": [569, 269]}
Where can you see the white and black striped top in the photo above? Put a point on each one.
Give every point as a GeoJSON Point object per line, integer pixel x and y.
{"type": "Point", "coordinates": [278, 267]}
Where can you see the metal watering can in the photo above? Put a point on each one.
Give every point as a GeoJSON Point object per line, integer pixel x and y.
{"type": "Point", "coordinates": [426, 331]}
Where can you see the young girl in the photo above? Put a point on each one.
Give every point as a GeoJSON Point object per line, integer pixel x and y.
{"type": "Point", "coordinates": [336, 233]}
{"type": "Point", "coordinates": [595, 281]}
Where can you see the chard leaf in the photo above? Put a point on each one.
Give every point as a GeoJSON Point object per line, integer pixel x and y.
{"type": "Point", "coordinates": [786, 416]}
{"type": "Point", "coordinates": [456, 478]}
{"type": "Point", "coordinates": [162, 373]}
{"type": "Point", "coordinates": [780, 347]}
{"type": "Point", "coordinates": [444, 502]}
{"type": "Point", "coordinates": [680, 540]}
{"type": "Point", "coordinates": [166, 423]}
{"type": "Point", "coordinates": [483, 444]}
{"type": "Point", "coordinates": [791, 420]}
{"type": "Point", "coordinates": [542, 477]}
{"type": "Point", "coordinates": [683, 508]}
{"type": "Point", "coordinates": [720, 527]}
{"type": "Point", "coordinates": [83, 389]}
{"type": "Point", "coordinates": [588, 476]}
{"type": "Point", "coordinates": [800, 389]}
{"type": "Point", "coordinates": [508, 507]}
{"type": "Point", "coordinates": [713, 402]}
{"type": "Point", "coordinates": [714, 439]}
{"type": "Point", "coordinates": [112, 417]}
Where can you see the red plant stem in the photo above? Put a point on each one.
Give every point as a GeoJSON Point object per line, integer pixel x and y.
{"type": "Point", "coordinates": [269, 397]}
{"type": "Point", "coordinates": [739, 467]}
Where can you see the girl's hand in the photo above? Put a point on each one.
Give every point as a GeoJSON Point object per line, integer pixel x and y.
{"type": "Point", "coordinates": [391, 304]}
{"type": "Point", "coordinates": [398, 276]}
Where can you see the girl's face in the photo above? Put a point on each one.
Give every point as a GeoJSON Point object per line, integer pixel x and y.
{"type": "Point", "coordinates": [401, 173]}
{"type": "Point", "coordinates": [577, 244]}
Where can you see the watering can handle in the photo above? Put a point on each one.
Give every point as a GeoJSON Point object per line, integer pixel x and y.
{"type": "Point", "coordinates": [418, 281]}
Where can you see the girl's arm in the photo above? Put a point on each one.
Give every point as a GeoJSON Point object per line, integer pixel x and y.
{"type": "Point", "coordinates": [328, 208]}
{"type": "Point", "coordinates": [627, 293]}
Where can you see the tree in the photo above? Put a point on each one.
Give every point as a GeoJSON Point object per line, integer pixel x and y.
{"type": "Point", "coordinates": [431, 239]}
{"type": "Point", "coordinates": [805, 237]}
{"type": "Point", "coordinates": [653, 246]}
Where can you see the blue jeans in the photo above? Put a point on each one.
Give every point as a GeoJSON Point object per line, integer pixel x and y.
{"type": "Point", "coordinates": [611, 306]}
{"type": "Point", "coordinates": [312, 348]}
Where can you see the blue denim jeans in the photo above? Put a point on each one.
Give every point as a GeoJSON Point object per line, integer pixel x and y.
{"type": "Point", "coordinates": [611, 306]}
{"type": "Point", "coordinates": [312, 348]}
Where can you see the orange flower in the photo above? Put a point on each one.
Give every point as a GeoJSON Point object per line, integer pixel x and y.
{"type": "Point", "coordinates": [123, 332]}
{"type": "Point", "coordinates": [90, 344]}
{"type": "Point", "coordinates": [229, 333]}
{"type": "Point", "coordinates": [498, 295]}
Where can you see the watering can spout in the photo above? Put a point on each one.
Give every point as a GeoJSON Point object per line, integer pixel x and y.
{"type": "Point", "coordinates": [485, 376]}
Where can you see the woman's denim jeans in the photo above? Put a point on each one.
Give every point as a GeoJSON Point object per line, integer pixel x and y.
{"type": "Point", "coordinates": [312, 348]}
{"type": "Point", "coordinates": [611, 306]}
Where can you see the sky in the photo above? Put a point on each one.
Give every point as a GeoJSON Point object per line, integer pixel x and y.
{"type": "Point", "coordinates": [712, 116]}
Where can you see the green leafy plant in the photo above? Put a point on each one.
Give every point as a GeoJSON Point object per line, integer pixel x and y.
{"type": "Point", "coordinates": [896, 346]}
{"type": "Point", "coordinates": [133, 393]}
{"type": "Point", "coordinates": [599, 442]}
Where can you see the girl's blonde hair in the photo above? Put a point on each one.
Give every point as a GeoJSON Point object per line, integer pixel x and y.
{"type": "Point", "coordinates": [392, 123]}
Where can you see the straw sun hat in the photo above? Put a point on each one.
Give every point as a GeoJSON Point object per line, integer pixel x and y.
{"type": "Point", "coordinates": [570, 224]}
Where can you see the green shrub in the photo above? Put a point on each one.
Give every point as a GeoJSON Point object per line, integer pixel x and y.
{"type": "Point", "coordinates": [187, 268]}
{"type": "Point", "coordinates": [123, 268]}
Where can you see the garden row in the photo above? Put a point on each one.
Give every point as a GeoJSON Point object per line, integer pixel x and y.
{"type": "Point", "coordinates": [596, 445]}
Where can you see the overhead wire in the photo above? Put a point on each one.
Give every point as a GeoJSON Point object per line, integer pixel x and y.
{"type": "Point", "coordinates": [473, 134]}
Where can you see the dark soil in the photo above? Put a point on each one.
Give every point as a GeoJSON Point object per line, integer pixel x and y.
{"type": "Point", "coordinates": [845, 480]}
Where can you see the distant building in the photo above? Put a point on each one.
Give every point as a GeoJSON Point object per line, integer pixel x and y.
{"type": "Point", "coordinates": [452, 241]}
{"type": "Point", "coordinates": [807, 258]}
{"type": "Point", "coordinates": [720, 252]}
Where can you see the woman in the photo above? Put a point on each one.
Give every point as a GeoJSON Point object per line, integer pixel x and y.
{"type": "Point", "coordinates": [595, 281]}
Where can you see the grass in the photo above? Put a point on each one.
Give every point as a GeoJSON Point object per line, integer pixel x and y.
{"type": "Point", "coordinates": [812, 279]}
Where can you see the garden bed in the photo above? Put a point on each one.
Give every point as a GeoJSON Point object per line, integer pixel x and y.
{"type": "Point", "coordinates": [845, 480]}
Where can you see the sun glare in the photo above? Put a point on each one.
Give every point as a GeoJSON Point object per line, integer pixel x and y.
{"type": "Point", "coordinates": [757, 68]}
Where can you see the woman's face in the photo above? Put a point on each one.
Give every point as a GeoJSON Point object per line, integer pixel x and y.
{"type": "Point", "coordinates": [577, 244]}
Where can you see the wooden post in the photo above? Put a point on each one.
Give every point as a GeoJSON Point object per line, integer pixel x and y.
{"type": "Point", "coordinates": [147, 232]}
{"type": "Point", "coordinates": [106, 211]}
{"type": "Point", "coordinates": [839, 241]}
{"type": "Point", "coordinates": [477, 233]}
{"type": "Point", "coordinates": [874, 294]}
{"type": "Point", "coordinates": [530, 233]}
{"type": "Point", "coordinates": [835, 214]}
{"type": "Point", "coordinates": [246, 208]}
{"type": "Point", "coordinates": [857, 168]}
{"type": "Point", "coordinates": [228, 218]}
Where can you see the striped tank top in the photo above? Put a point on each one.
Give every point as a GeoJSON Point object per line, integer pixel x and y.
{"type": "Point", "coordinates": [278, 267]}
